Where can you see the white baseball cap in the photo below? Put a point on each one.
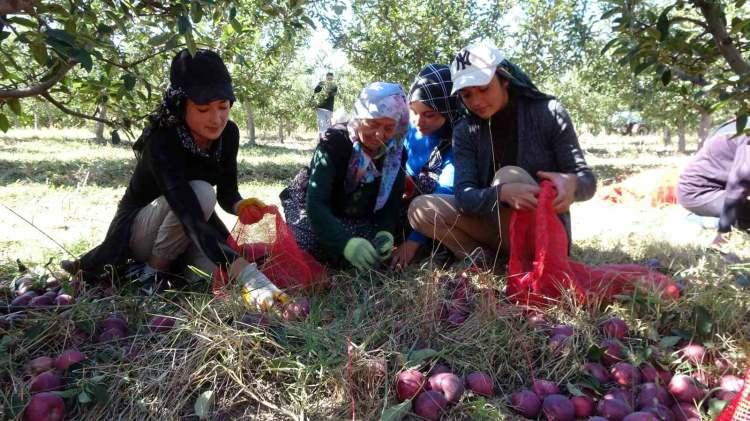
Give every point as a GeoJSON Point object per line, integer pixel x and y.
{"type": "Point", "coordinates": [474, 66]}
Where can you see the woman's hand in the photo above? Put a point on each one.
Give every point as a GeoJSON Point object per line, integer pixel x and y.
{"type": "Point", "coordinates": [720, 244]}
{"type": "Point", "coordinates": [719, 241]}
{"type": "Point", "coordinates": [249, 210]}
{"type": "Point", "coordinates": [519, 196]}
{"type": "Point", "coordinates": [565, 184]}
{"type": "Point", "coordinates": [404, 254]}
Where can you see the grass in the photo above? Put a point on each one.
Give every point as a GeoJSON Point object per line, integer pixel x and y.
{"type": "Point", "coordinates": [339, 363]}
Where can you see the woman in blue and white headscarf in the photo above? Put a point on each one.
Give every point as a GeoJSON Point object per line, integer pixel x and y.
{"type": "Point", "coordinates": [346, 207]}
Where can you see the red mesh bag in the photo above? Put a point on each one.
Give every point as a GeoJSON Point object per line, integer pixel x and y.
{"type": "Point", "coordinates": [267, 240]}
{"type": "Point", "coordinates": [665, 193]}
{"type": "Point", "coordinates": [659, 186]}
{"type": "Point", "coordinates": [739, 408]}
{"type": "Point", "coordinates": [539, 267]}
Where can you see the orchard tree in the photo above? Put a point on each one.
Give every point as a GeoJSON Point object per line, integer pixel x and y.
{"type": "Point", "coordinates": [392, 39]}
{"type": "Point", "coordinates": [551, 38]}
{"type": "Point", "coordinates": [703, 45]}
{"type": "Point", "coordinates": [106, 60]}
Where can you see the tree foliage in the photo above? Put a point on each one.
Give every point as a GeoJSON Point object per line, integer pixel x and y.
{"type": "Point", "coordinates": [700, 45]}
{"type": "Point", "coordinates": [82, 54]}
{"type": "Point", "coordinates": [392, 39]}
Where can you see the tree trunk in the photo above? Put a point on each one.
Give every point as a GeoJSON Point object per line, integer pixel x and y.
{"type": "Point", "coordinates": [681, 143]}
{"type": "Point", "coordinates": [100, 125]}
{"type": "Point", "coordinates": [704, 127]}
{"type": "Point", "coordinates": [281, 131]}
{"type": "Point", "coordinates": [36, 121]}
{"type": "Point", "coordinates": [667, 138]}
{"type": "Point", "coordinates": [250, 122]}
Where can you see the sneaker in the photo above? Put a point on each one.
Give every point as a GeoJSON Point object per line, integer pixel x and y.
{"type": "Point", "coordinates": [480, 258]}
{"type": "Point", "coordinates": [152, 282]}
{"type": "Point", "coordinates": [443, 257]}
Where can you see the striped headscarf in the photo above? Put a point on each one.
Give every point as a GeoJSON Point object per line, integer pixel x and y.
{"type": "Point", "coordinates": [432, 86]}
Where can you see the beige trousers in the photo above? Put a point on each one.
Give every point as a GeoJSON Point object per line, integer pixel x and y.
{"type": "Point", "coordinates": [158, 232]}
{"type": "Point", "coordinates": [437, 216]}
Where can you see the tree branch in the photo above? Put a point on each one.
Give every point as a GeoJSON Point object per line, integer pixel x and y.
{"type": "Point", "coordinates": [682, 75]}
{"type": "Point", "coordinates": [715, 20]}
{"type": "Point", "coordinates": [74, 113]}
{"type": "Point", "coordinates": [8, 7]}
{"type": "Point", "coordinates": [695, 22]}
{"type": "Point", "coordinates": [50, 79]}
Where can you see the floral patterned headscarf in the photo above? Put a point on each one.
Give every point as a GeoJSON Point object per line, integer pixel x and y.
{"type": "Point", "coordinates": [378, 100]}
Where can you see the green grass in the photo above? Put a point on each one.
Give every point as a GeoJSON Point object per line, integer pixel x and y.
{"type": "Point", "coordinates": [364, 328]}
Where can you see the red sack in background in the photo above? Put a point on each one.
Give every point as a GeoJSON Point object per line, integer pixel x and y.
{"type": "Point", "coordinates": [539, 267]}
{"type": "Point", "coordinates": [739, 408]}
{"type": "Point", "coordinates": [271, 245]}
{"type": "Point", "coordinates": [658, 185]}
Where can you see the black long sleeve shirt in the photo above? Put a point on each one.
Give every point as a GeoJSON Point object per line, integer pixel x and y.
{"type": "Point", "coordinates": [165, 168]}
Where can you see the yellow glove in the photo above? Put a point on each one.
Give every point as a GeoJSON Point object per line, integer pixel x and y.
{"type": "Point", "coordinates": [250, 210]}
{"type": "Point", "coordinates": [250, 201]}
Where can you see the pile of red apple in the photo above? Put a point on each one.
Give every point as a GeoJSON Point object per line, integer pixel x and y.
{"type": "Point", "coordinates": [434, 393]}
{"type": "Point", "coordinates": [47, 375]}
{"type": "Point", "coordinates": [629, 393]}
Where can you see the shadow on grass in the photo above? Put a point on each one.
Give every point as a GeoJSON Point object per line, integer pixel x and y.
{"type": "Point", "coordinates": [608, 173]}
{"type": "Point", "coordinates": [671, 258]}
{"type": "Point", "coordinates": [117, 172]}
{"type": "Point", "coordinates": [267, 171]}
{"type": "Point", "coordinates": [102, 172]}
{"type": "Point", "coordinates": [273, 150]}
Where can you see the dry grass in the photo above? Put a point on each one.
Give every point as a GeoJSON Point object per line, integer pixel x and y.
{"type": "Point", "coordinates": [340, 363]}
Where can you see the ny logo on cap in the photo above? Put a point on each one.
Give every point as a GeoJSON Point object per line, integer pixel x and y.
{"type": "Point", "coordinates": [462, 60]}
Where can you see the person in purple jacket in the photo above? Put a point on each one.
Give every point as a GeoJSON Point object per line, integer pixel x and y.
{"type": "Point", "coordinates": [716, 182]}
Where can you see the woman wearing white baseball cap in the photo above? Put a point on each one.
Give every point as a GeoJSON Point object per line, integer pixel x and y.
{"type": "Point", "coordinates": [513, 136]}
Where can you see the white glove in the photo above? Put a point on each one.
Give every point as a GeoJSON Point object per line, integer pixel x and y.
{"type": "Point", "coordinates": [257, 290]}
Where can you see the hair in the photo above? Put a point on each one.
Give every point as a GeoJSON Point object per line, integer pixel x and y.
{"type": "Point", "coordinates": [329, 74]}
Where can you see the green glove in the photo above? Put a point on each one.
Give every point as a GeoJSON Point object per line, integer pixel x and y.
{"type": "Point", "coordinates": [383, 243]}
{"type": "Point", "coordinates": [360, 253]}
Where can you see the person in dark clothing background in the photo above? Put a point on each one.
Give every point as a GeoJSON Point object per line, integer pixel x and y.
{"type": "Point", "coordinates": [344, 209]}
{"type": "Point", "coordinates": [167, 212]}
{"type": "Point", "coordinates": [716, 183]}
{"type": "Point", "coordinates": [513, 136]}
{"type": "Point", "coordinates": [323, 96]}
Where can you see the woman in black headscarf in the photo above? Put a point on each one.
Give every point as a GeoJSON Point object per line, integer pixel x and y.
{"type": "Point", "coordinates": [428, 143]}
{"type": "Point", "coordinates": [167, 213]}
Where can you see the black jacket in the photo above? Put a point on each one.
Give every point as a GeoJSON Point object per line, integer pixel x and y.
{"type": "Point", "coordinates": [165, 168]}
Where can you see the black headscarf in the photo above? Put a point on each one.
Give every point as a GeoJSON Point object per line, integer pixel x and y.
{"type": "Point", "coordinates": [432, 86]}
{"type": "Point", "coordinates": [202, 78]}
{"type": "Point", "coordinates": [520, 82]}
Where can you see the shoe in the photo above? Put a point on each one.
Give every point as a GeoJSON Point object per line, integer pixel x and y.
{"type": "Point", "coordinates": [443, 257]}
{"type": "Point", "coordinates": [71, 266]}
{"type": "Point", "coordinates": [480, 258]}
{"type": "Point", "coordinates": [152, 282]}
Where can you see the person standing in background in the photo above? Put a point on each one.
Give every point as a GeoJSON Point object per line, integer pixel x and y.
{"type": "Point", "coordinates": [323, 97]}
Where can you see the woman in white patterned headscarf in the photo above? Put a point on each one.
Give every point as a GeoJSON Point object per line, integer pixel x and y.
{"type": "Point", "coordinates": [346, 207]}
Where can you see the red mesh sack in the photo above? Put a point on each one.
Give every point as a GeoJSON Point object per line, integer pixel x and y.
{"type": "Point", "coordinates": [739, 408]}
{"type": "Point", "coordinates": [665, 193]}
{"type": "Point", "coordinates": [539, 268]}
{"type": "Point", "coordinates": [267, 240]}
